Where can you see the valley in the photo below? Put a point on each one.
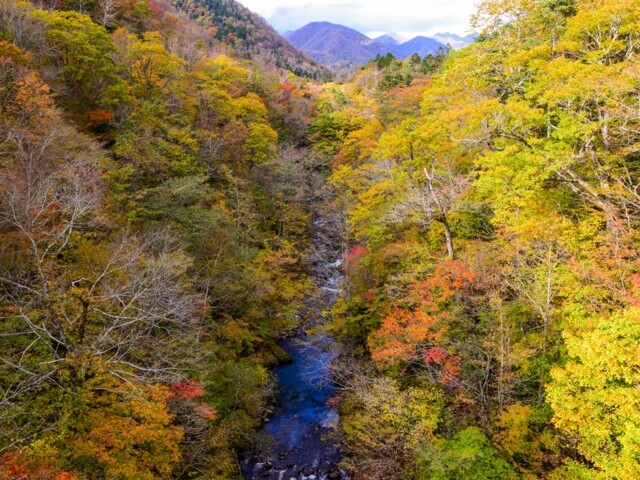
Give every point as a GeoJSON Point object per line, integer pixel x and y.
{"type": "Point", "coordinates": [305, 422]}
{"type": "Point", "coordinates": [229, 255]}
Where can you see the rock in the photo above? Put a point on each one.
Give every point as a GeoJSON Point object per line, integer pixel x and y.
{"type": "Point", "coordinates": [334, 475]}
{"type": "Point", "coordinates": [336, 264]}
{"type": "Point", "coordinates": [273, 354]}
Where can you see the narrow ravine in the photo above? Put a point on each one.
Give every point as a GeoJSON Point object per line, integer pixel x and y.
{"type": "Point", "coordinates": [304, 424]}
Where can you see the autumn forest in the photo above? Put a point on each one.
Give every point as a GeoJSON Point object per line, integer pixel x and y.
{"type": "Point", "coordinates": [190, 207]}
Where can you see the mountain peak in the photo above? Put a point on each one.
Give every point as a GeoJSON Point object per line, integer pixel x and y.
{"type": "Point", "coordinates": [392, 38]}
{"type": "Point", "coordinates": [343, 49]}
{"type": "Point", "coordinates": [454, 40]}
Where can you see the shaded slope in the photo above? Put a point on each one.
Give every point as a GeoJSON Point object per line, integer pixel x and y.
{"type": "Point", "coordinates": [250, 35]}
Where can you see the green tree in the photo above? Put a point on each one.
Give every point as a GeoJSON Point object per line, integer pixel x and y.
{"type": "Point", "coordinates": [469, 455]}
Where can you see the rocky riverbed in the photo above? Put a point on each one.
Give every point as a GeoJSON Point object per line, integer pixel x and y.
{"type": "Point", "coordinates": [304, 424]}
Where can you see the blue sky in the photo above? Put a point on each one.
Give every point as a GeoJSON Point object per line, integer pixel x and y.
{"type": "Point", "coordinates": [373, 17]}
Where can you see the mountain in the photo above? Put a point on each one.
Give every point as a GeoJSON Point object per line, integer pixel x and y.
{"type": "Point", "coordinates": [403, 48]}
{"type": "Point", "coordinates": [342, 48]}
{"type": "Point", "coordinates": [420, 45]}
{"type": "Point", "coordinates": [336, 46]}
{"type": "Point", "coordinates": [453, 40]}
{"type": "Point", "coordinates": [391, 39]}
{"type": "Point", "coordinates": [250, 35]}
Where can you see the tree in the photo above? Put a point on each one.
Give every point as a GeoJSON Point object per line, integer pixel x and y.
{"type": "Point", "coordinates": [71, 305]}
{"type": "Point", "coordinates": [147, 66]}
{"type": "Point", "coordinates": [416, 335]}
{"type": "Point", "coordinates": [108, 11]}
{"type": "Point", "coordinates": [468, 455]}
{"type": "Point", "coordinates": [261, 143]}
{"type": "Point", "coordinates": [106, 429]}
{"type": "Point", "coordinates": [386, 427]}
{"type": "Point", "coordinates": [81, 52]}
{"type": "Point", "coordinates": [594, 396]}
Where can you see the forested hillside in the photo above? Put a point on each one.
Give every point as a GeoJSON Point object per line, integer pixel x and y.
{"type": "Point", "coordinates": [158, 203]}
{"type": "Point", "coordinates": [492, 304]}
{"type": "Point", "coordinates": [151, 236]}
{"type": "Point", "coordinates": [251, 36]}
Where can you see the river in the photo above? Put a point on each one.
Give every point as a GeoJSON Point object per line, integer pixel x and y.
{"type": "Point", "coordinates": [304, 424]}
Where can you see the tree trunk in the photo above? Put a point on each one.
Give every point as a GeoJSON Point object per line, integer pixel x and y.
{"type": "Point", "coordinates": [443, 215]}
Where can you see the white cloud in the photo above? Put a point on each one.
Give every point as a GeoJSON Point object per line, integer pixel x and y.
{"type": "Point", "coordinates": [408, 17]}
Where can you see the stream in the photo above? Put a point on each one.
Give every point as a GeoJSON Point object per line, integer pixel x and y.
{"type": "Point", "coordinates": [304, 425]}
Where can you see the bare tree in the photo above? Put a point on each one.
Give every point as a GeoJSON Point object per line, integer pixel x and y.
{"type": "Point", "coordinates": [534, 277]}
{"type": "Point", "coordinates": [107, 12]}
{"type": "Point", "coordinates": [26, 31]}
{"type": "Point", "coordinates": [73, 306]}
{"type": "Point", "coordinates": [126, 310]}
{"type": "Point", "coordinates": [430, 195]}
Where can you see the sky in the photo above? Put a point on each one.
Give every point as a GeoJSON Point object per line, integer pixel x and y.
{"type": "Point", "coordinates": [372, 17]}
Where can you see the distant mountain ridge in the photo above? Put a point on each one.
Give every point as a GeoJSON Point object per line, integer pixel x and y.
{"type": "Point", "coordinates": [455, 41]}
{"type": "Point", "coordinates": [340, 48]}
{"type": "Point", "coordinates": [421, 45]}
{"type": "Point", "coordinates": [336, 46]}
{"type": "Point", "coordinates": [403, 48]}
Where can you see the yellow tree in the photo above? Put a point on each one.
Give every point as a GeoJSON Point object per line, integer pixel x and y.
{"type": "Point", "coordinates": [595, 396]}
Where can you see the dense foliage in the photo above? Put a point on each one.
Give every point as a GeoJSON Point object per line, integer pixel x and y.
{"type": "Point", "coordinates": [151, 239]}
{"type": "Point", "coordinates": [154, 216]}
{"type": "Point", "coordinates": [493, 219]}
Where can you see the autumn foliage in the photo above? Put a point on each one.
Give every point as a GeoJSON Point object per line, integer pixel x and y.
{"type": "Point", "coordinates": [495, 195]}
{"type": "Point", "coordinates": [415, 335]}
{"type": "Point", "coordinates": [142, 258]}
{"type": "Point", "coordinates": [157, 186]}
